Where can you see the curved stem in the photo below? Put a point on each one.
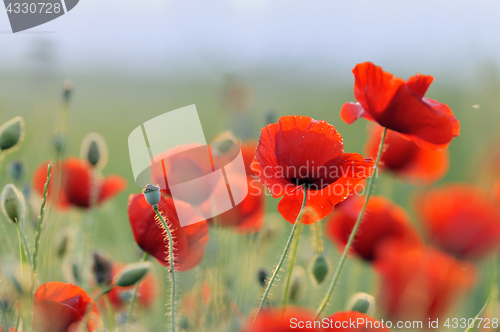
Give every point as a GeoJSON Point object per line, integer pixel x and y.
{"type": "Point", "coordinates": [340, 265]}
{"type": "Point", "coordinates": [134, 295]}
{"type": "Point", "coordinates": [283, 256]}
{"type": "Point", "coordinates": [290, 266]}
{"type": "Point", "coordinates": [172, 268]}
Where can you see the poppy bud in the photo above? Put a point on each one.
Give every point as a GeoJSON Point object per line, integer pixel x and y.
{"type": "Point", "coordinates": [59, 143]}
{"type": "Point", "coordinates": [318, 268]}
{"type": "Point", "coordinates": [102, 267]}
{"type": "Point", "coordinates": [152, 194]}
{"type": "Point", "coordinates": [94, 150]}
{"type": "Point", "coordinates": [261, 277]}
{"type": "Point", "coordinates": [16, 170]}
{"type": "Point", "coordinates": [270, 116]}
{"type": "Point", "coordinates": [297, 277]}
{"type": "Point", "coordinates": [67, 90]}
{"type": "Point", "coordinates": [361, 302]}
{"type": "Point", "coordinates": [12, 203]}
{"type": "Point", "coordinates": [62, 246]}
{"type": "Point", "coordinates": [133, 273]}
{"type": "Point", "coordinates": [11, 133]}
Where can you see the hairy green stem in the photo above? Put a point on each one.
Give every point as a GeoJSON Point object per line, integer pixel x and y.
{"type": "Point", "coordinates": [134, 295]}
{"type": "Point", "coordinates": [283, 256]}
{"type": "Point", "coordinates": [172, 267]}
{"type": "Point", "coordinates": [290, 265]}
{"type": "Point", "coordinates": [340, 265]}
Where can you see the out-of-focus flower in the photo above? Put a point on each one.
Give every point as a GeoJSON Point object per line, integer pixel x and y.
{"type": "Point", "coordinates": [420, 283]}
{"type": "Point", "coordinates": [299, 150]}
{"type": "Point", "coordinates": [62, 307]}
{"type": "Point", "coordinates": [383, 220]}
{"type": "Point", "coordinates": [190, 241]}
{"type": "Point", "coordinates": [400, 106]}
{"type": "Point", "coordinates": [197, 300]}
{"type": "Point", "coordinates": [460, 219]}
{"type": "Point", "coordinates": [274, 320]}
{"type": "Point", "coordinates": [354, 321]}
{"type": "Point", "coordinates": [248, 216]}
{"type": "Point", "coordinates": [146, 292]}
{"type": "Point", "coordinates": [406, 159]}
{"type": "Point", "coordinates": [76, 183]}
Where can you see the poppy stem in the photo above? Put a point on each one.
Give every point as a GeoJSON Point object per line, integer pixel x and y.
{"type": "Point", "coordinates": [134, 295]}
{"type": "Point", "coordinates": [172, 267]}
{"type": "Point", "coordinates": [283, 256]}
{"type": "Point", "coordinates": [340, 265]}
{"type": "Point", "coordinates": [290, 266]}
{"type": "Point", "coordinates": [5, 320]}
{"type": "Point", "coordinates": [39, 222]}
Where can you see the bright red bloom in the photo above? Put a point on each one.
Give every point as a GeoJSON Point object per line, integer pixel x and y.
{"type": "Point", "coordinates": [400, 106]}
{"type": "Point", "coordinates": [76, 184]}
{"type": "Point", "coordinates": [299, 150]}
{"type": "Point", "coordinates": [342, 321]}
{"type": "Point", "coordinates": [383, 220]}
{"type": "Point", "coordinates": [248, 216]}
{"type": "Point", "coordinates": [146, 293]}
{"type": "Point", "coordinates": [272, 320]}
{"type": "Point", "coordinates": [190, 241]}
{"type": "Point", "coordinates": [61, 307]}
{"type": "Point", "coordinates": [406, 159]}
{"type": "Point", "coordinates": [461, 219]}
{"type": "Point", "coordinates": [420, 283]}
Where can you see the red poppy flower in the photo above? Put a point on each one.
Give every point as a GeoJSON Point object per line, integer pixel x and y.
{"type": "Point", "coordinates": [353, 321]}
{"type": "Point", "coordinates": [406, 159]}
{"type": "Point", "coordinates": [420, 283]}
{"type": "Point", "coordinates": [76, 184]}
{"type": "Point", "coordinates": [299, 150]}
{"type": "Point", "coordinates": [11, 330]}
{"type": "Point", "coordinates": [460, 219]}
{"type": "Point", "coordinates": [400, 106]}
{"type": "Point", "coordinates": [273, 320]}
{"type": "Point", "coordinates": [146, 293]}
{"type": "Point", "coordinates": [61, 307]}
{"type": "Point", "coordinates": [190, 241]}
{"type": "Point", "coordinates": [383, 220]}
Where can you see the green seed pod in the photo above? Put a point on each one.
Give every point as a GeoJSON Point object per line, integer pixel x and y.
{"type": "Point", "coordinates": [133, 273]}
{"type": "Point", "coordinates": [152, 194]}
{"type": "Point", "coordinates": [16, 170]}
{"type": "Point", "coordinates": [67, 90]}
{"type": "Point", "coordinates": [102, 267]}
{"type": "Point", "coordinates": [12, 203]}
{"type": "Point", "coordinates": [262, 277]}
{"type": "Point", "coordinates": [11, 133]}
{"type": "Point", "coordinates": [318, 268]}
{"type": "Point", "coordinates": [94, 150]}
{"type": "Point", "coordinates": [361, 302]}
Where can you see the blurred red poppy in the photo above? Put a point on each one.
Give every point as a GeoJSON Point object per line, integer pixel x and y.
{"type": "Point", "coordinates": [190, 241]}
{"type": "Point", "coordinates": [353, 321]}
{"type": "Point", "coordinates": [197, 300]}
{"type": "Point", "coordinates": [383, 220]}
{"type": "Point", "coordinates": [460, 219]}
{"type": "Point", "coordinates": [76, 183]}
{"type": "Point", "coordinates": [406, 159]}
{"type": "Point", "coordinates": [61, 307]}
{"type": "Point", "coordinates": [401, 106]}
{"type": "Point", "coordinates": [420, 283]}
{"type": "Point", "coordinates": [11, 330]}
{"type": "Point", "coordinates": [146, 292]}
{"type": "Point", "coordinates": [299, 150]}
{"type": "Point", "coordinates": [274, 320]}
{"type": "Point", "coordinates": [248, 216]}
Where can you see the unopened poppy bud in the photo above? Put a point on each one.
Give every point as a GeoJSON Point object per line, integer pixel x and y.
{"type": "Point", "coordinates": [261, 277]}
{"type": "Point", "coordinates": [67, 90]}
{"type": "Point", "coordinates": [318, 268]}
{"type": "Point", "coordinates": [297, 277]}
{"type": "Point", "coordinates": [361, 302]}
{"type": "Point", "coordinates": [102, 267]}
{"type": "Point", "coordinates": [62, 246]}
{"type": "Point", "coordinates": [94, 150]}
{"type": "Point", "coordinates": [12, 203]}
{"type": "Point", "coordinates": [16, 170]}
{"type": "Point", "coordinates": [59, 143]}
{"type": "Point", "coordinates": [152, 194]}
{"type": "Point", "coordinates": [270, 117]}
{"type": "Point", "coordinates": [132, 274]}
{"type": "Point", "coordinates": [11, 133]}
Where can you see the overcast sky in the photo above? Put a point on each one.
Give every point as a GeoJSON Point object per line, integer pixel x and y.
{"type": "Point", "coordinates": [304, 36]}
